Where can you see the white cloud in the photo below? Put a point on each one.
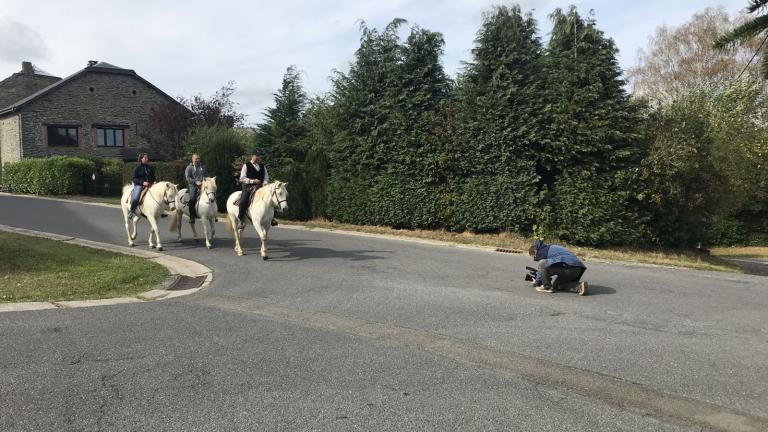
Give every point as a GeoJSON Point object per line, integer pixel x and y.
{"type": "Point", "coordinates": [196, 46]}
{"type": "Point", "coordinates": [20, 42]}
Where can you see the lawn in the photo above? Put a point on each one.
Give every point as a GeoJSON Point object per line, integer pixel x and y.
{"type": "Point", "coordinates": [37, 269]}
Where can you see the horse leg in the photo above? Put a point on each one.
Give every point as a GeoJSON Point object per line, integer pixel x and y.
{"type": "Point", "coordinates": [156, 231]}
{"type": "Point", "coordinates": [180, 215]}
{"type": "Point", "coordinates": [194, 232]}
{"type": "Point", "coordinates": [206, 231]}
{"type": "Point", "coordinates": [236, 234]}
{"type": "Point", "coordinates": [128, 229]}
{"type": "Point", "coordinates": [263, 236]}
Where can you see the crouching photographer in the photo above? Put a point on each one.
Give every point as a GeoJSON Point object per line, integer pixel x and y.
{"type": "Point", "coordinates": [555, 260]}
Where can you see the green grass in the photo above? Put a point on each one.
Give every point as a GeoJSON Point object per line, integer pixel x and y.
{"type": "Point", "coordinates": [37, 269]}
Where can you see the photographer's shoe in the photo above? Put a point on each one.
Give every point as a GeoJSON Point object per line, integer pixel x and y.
{"type": "Point", "coordinates": [543, 289]}
{"type": "Point", "coordinates": [582, 290]}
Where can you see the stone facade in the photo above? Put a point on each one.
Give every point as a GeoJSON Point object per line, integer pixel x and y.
{"type": "Point", "coordinates": [99, 96]}
{"type": "Point", "coordinates": [89, 101]}
{"type": "Point", "coordinates": [10, 139]}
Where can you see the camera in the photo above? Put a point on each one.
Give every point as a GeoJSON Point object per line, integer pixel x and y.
{"type": "Point", "coordinates": [532, 273]}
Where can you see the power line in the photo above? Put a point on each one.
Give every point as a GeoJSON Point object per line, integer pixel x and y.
{"type": "Point", "coordinates": [753, 57]}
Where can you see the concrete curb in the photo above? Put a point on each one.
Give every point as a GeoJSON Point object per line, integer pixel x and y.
{"type": "Point", "coordinates": [176, 266]}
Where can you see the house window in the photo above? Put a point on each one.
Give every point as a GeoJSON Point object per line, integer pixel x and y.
{"type": "Point", "coordinates": [62, 136]}
{"type": "Point", "coordinates": [110, 137]}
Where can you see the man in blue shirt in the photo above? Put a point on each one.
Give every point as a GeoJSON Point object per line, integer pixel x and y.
{"type": "Point", "coordinates": [555, 260]}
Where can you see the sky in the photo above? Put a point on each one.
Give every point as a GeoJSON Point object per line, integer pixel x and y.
{"type": "Point", "coordinates": [194, 46]}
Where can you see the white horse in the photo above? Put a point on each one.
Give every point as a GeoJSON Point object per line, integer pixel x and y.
{"type": "Point", "coordinates": [160, 197]}
{"type": "Point", "coordinates": [205, 208]}
{"type": "Point", "coordinates": [260, 211]}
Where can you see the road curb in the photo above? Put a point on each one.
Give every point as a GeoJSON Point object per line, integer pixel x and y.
{"type": "Point", "coordinates": [176, 266]}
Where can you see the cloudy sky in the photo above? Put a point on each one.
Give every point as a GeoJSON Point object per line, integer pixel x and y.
{"type": "Point", "coordinates": [194, 46]}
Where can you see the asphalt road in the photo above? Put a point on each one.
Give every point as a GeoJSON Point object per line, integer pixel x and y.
{"type": "Point", "coordinates": [338, 332]}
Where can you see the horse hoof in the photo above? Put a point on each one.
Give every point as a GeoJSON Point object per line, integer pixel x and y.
{"type": "Point", "coordinates": [160, 248]}
{"type": "Point", "coordinates": [265, 258]}
{"type": "Point", "coordinates": [131, 244]}
{"type": "Point", "coordinates": [209, 246]}
{"type": "Point", "coordinates": [152, 246]}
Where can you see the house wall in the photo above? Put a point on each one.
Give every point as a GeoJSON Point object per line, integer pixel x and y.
{"type": "Point", "coordinates": [93, 99]}
{"type": "Point", "coordinates": [10, 151]}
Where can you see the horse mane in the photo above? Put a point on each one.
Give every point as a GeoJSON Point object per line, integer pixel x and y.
{"type": "Point", "coordinates": [259, 195]}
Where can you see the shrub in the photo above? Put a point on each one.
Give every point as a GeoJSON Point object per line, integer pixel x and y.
{"type": "Point", "coordinates": [57, 175]}
{"type": "Point", "coordinates": [172, 171]}
{"type": "Point", "coordinates": [723, 231]}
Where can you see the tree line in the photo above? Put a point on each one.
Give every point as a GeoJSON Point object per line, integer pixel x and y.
{"type": "Point", "coordinates": [532, 137]}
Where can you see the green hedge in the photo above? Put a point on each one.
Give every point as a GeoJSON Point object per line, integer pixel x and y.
{"type": "Point", "coordinates": [172, 171]}
{"type": "Point", "coordinates": [57, 175]}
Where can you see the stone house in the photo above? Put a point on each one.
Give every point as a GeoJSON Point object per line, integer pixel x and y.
{"type": "Point", "coordinates": [101, 110]}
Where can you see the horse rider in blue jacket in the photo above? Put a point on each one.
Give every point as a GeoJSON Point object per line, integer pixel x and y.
{"type": "Point", "coordinates": [555, 260]}
{"type": "Point", "coordinates": [143, 178]}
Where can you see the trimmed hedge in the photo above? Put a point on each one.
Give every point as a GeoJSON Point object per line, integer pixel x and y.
{"type": "Point", "coordinates": [57, 175]}
{"type": "Point", "coordinates": [68, 175]}
{"type": "Point", "coordinates": [172, 171]}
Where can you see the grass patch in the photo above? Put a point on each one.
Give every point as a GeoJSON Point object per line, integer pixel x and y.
{"type": "Point", "coordinates": [752, 252]}
{"type": "Point", "coordinates": [37, 269]}
{"type": "Point", "coordinates": [517, 242]}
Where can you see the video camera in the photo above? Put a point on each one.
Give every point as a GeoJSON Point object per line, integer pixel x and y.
{"type": "Point", "coordinates": [532, 274]}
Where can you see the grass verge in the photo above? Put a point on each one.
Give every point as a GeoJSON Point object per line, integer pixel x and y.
{"type": "Point", "coordinates": [752, 252]}
{"type": "Point", "coordinates": [516, 242]}
{"type": "Point", "coordinates": [37, 269]}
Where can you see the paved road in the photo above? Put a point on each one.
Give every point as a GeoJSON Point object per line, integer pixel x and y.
{"type": "Point", "coordinates": [340, 332]}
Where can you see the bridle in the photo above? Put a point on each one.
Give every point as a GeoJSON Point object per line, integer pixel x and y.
{"type": "Point", "coordinates": [170, 204]}
{"type": "Point", "coordinates": [277, 198]}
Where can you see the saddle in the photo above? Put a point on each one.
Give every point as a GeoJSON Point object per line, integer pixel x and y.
{"type": "Point", "coordinates": [253, 192]}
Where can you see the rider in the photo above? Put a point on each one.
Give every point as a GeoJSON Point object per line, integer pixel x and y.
{"type": "Point", "coordinates": [195, 173]}
{"type": "Point", "coordinates": [555, 260]}
{"type": "Point", "coordinates": [143, 178]}
{"type": "Point", "coordinates": [253, 175]}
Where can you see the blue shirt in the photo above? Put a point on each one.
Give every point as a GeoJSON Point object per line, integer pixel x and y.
{"type": "Point", "coordinates": [554, 254]}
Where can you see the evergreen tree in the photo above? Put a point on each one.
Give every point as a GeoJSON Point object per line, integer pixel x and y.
{"type": "Point", "coordinates": [593, 145]}
{"type": "Point", "coordinates": [281, 139]}
{"type": "Point", "coordinates": [500, 124]}
{"type": "Point", "coordinates": [385, 153]}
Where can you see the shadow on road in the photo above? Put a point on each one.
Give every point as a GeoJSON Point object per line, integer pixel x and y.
{"type": "Point", "coordinates": [599, 290]}
{"type": "Point", "coordinates": [293, 250]}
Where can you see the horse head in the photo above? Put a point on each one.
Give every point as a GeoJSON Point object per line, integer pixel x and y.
{"type": "Point", "coordinates": [280, 196]}
{"type": "Point", "coordinates": [169, 195]}
{"type": "Point", "coordinates": [209, 188]}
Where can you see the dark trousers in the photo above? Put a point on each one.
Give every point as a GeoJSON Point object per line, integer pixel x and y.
{"type": "Point", "coordinates": [192, 188]}
{"type": "Point", "coordinates": [245, 200]}
{"type": "Point", "coordinates": [567, 276]}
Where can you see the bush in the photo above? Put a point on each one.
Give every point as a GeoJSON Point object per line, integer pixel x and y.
{"type": "Point", "coordinates": [172, 171]}
{"type": "Point", "coordinates": [597, 210]}
{"type": "Point", "coordinates": [108, 175]}
{"type": "Point", "coordinates": [724, 231]}
{"type": "Point", "coordinates": [57, 175]}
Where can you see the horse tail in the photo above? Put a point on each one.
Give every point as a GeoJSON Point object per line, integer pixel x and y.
{"type": "Point", "coordinates": [174, 221]}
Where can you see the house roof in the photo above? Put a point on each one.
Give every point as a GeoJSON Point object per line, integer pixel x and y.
{"type": "Point", "coordinates": [93, 67]}
{"type": "Point", "coordinates": [22, 84]}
